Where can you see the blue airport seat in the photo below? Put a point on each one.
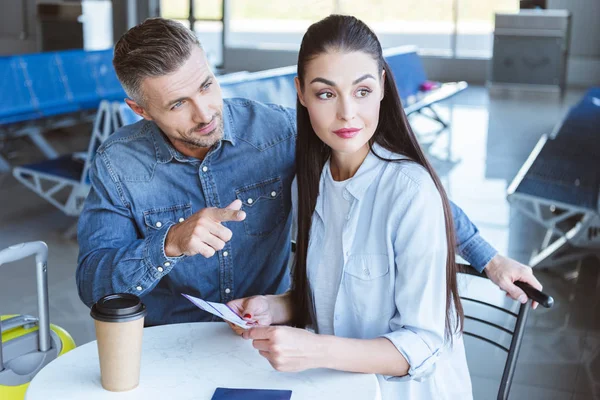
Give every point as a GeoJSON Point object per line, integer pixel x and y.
{"type": "Point", "coordinates": [15, 95]}
{"type": "Point", "coordinates": [50, 95]}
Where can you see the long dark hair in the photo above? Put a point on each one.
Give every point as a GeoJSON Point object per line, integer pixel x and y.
{"type": "Point", "coordinates": [348, 34]}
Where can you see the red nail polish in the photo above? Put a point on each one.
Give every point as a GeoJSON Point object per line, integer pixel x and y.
{"type": "Point", "coordinates": [248, 316]}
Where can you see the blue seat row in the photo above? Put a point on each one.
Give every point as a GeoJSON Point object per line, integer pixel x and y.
{"type": "Point", "coordinates": [41, 85]}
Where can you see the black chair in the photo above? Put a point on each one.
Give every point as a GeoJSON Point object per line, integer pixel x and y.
{"type": "Point", "coordinates": [515, 333]}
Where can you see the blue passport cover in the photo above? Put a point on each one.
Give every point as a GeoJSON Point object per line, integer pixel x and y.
{"type": "Point", "coordinates": [251, 394]}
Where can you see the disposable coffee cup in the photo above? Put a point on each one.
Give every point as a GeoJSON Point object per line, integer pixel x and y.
{"type": "Point", "coordinates": [119, 321]}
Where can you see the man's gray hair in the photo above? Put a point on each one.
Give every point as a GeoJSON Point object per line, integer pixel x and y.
{"type": "Point", "coordinates": [153, 48]}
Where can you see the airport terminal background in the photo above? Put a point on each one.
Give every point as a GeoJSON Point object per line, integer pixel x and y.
{"type": "Point", "coordinates": [531, 68]}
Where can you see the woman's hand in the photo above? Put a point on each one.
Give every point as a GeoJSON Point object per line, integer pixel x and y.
{"type": "Point", "coordinates": [255, 310]}
{"type": "Point", "coordinates": [288, 349]}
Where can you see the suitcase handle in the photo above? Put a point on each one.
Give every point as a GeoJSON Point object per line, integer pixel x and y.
{"type": "Point", "coordinates": [18, 321]}
{"type": "Point", "coordinates": [40, 250]}
{"type": "Point", "coordinates": [23, 250]}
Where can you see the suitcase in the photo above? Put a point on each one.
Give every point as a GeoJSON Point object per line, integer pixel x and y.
{"type": "Point", "coordinates": [27, 343]}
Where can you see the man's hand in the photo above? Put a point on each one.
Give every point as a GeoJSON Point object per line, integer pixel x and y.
{"type": "Point", "coordinates": [504, 271]}
{"type": "Point", "coordinates": [203, 232]}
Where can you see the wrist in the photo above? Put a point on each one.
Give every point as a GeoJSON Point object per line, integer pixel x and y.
{"type": "Point", "coordinates": [493, 264]}
{"type": "Point", "coordinates": [280, 306]}
{"type": "Point", "coordinates": [324, 347]}
{"type": "Point", "coordinates": [171, 249]}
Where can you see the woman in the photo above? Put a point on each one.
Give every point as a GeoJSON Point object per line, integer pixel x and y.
{"type": "Point", "coordinates": [374, 272]}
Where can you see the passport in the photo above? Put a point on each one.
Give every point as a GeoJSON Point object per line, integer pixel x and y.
{"type": "Point", "coordinates": [251, 394]}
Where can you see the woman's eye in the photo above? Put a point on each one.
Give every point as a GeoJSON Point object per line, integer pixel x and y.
{"type": "Point", "coordinates": [325, 95]}
{"type": "Point", "coordinates": [363, 92]}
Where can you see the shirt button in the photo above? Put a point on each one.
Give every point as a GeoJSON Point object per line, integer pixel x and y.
{"type": "Point", "coordinates": [250, 201]}
{"type": "Point", "coordinates": [204, 169]}
{"type": "Point", "coordinates": [181, 219]}
{"type": "Point", "coordinates": [225, 254]}
{"type": "Point", "coordinates": [273, 194]}
{"type": "Point", "coordinates": [158, 224]}
{"type": "Point", "coordinates": [139, 288]}
{"type": "Point", "coordinates": [366, 271]}
{"type": "Point", "coordinates": [160, 269]}
{"type": "Point", "coordinates": [167, 264]}
{"type": "Point", "coordinates": [227, 290]}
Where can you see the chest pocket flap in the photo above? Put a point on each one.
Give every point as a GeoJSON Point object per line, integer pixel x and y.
{"type": "Point", "coordinates": [156, 218]}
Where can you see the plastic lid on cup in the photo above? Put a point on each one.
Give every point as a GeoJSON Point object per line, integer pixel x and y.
{"type": "Point", "coordinates": [118, 307]}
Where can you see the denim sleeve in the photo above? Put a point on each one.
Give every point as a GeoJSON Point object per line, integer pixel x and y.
{"type": "Point", "coordinates": [291, 117]}
{"type": "Point", "coordinates": [469, 243]}
{"type": "Point", "coordinates": [113, 257]}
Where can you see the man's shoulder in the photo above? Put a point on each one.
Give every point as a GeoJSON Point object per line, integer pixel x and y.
{"type": "Point", "coordinates": [129, 135]}
{"type": "Point", "coordinates": [129, 148]}
{"type": "Point", "coordinates": [261, 125]}
{"type": "Point", "coordinates": [241, 106]}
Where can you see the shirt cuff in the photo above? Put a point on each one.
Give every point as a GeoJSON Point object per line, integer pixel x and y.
{"type": "Point", "coordinates": [478, 252]}
{"type": "Point", "coordinates": [420, 357]}
{"type": "Point", "coordinates": [158, 263]}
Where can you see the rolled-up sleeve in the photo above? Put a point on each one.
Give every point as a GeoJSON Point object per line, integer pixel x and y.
{"type": "Point", "coordinates": [420, 250]}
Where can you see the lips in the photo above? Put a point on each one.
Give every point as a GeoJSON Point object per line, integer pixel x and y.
{"type": "Point", "coordinates": [347, 133]}
{"type": "Point", "coordinates": [207, 128]}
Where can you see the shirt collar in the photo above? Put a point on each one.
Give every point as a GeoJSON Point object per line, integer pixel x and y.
{"type": "Point", "coordinates": [165, 151]}
{"type": "Point", "coordinates": [364, 177]}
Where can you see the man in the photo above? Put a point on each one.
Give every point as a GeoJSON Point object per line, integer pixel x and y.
{"type": "Point", "coordinates": [195, 198]}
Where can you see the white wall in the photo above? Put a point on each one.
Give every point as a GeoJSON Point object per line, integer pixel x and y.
{"type": "Point", "coordinates": [584, 60]}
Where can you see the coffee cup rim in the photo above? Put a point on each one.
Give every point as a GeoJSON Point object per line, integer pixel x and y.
{"type": "Point", "coordinates": [109, 314]}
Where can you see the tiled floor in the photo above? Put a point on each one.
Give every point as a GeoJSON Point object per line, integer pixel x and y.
{"type": "Point", "coordinates": [489, 140]}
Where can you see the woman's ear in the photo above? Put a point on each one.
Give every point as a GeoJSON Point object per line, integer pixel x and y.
{"type": "Point", "coordinates": [299, 91]}
{"type": "Point", "coordinates": [382, 85]}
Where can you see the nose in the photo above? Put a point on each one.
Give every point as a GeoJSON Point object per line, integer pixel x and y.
{"type": "Point", "coordinates": [346, 109]}
{"type": "Point", "coordinates": [201, 113]}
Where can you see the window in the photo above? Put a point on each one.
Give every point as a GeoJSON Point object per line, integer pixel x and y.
{"type": "Point", "coordinates": [278, 24]}
{"type": "Point", "coordinates": [426, 24]}
{"type": "Point", "coordinates": [453, 28]}
{"type": "Point", "coordinates": [475, 25]}
{"type": "Point", "coordinates": [207, 20]}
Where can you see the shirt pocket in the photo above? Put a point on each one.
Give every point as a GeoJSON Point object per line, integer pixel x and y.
{"type": "Point", "coordinates": [369, 285]}
{"type": "Point", "coordinates": [263, 204]}
{"type": "Point", "coordinates": [156, 218]}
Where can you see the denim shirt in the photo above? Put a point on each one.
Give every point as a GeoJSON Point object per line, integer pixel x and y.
{"type": "Point", "coordinates": [141, 186]}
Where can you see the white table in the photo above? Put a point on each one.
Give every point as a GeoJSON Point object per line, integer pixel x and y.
{"type": "Point", "coordinates": [188, 361]}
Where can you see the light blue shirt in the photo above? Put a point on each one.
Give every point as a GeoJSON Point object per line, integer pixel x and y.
{"type": "Point", "coordinates": [393, 281]}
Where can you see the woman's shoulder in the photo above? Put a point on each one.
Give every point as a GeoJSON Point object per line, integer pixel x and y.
{"type": "Point", "coordinates": [405, 174]}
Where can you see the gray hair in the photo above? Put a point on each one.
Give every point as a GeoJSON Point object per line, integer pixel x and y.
{"type": "Point", "coordinates": [153, 48]}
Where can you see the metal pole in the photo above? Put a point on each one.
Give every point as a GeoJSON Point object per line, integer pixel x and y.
{"type": "Point", "coordinates": [131, 13]}
{"type": "Point", "coordinates": [515, 345]}
{"type": "Point", "coordinates": [454, 37]}
{"type": "Point", "coordinates": [191, 16]}
{"type": "Point", "coordinates": [1, 360]}
{"type": "Point", "coordinates": [43, 309]}
{"type": "Point", "coordinates": [225, 15]}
